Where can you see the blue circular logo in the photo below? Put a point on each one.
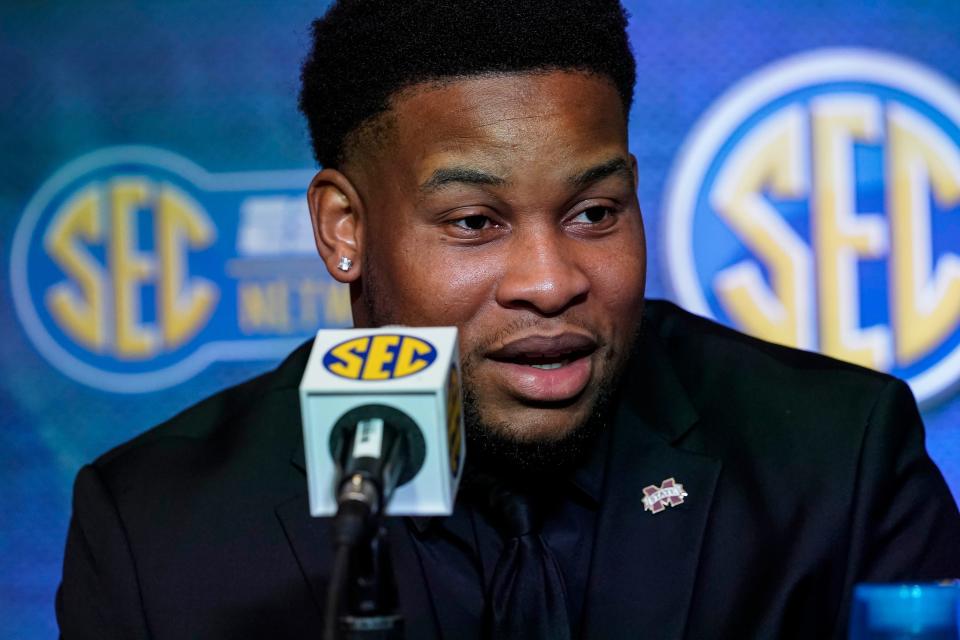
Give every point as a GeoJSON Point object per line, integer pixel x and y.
{"type": "Point", "coordinates": [817, 205]}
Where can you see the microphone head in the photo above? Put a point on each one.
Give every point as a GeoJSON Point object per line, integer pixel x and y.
{"type": "Point", "coordinates": [408, 371]}
{"type": "Point", "coordinates": [415, 447]}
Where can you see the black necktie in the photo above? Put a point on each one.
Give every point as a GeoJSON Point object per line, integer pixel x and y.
{"type": "Point", "coordinates": [527, 597]}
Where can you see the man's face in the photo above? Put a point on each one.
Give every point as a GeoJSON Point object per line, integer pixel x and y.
{"type": "Point", "coordinates": [506, 205]}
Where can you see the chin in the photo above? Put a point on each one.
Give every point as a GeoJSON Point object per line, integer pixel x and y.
{"type": "Point", "coordinates": [538, 425]}
{"type": "Point", "coordinates": [529, 439]}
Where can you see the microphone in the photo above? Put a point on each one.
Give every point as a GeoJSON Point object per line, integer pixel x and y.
{"type": "Point", "coordinates": [383, 435]}
{"type": "Point", "coordinates": [382, 424]}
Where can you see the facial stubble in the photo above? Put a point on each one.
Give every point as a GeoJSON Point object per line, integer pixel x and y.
{"type": "Point", "coordinates": [499, 446]}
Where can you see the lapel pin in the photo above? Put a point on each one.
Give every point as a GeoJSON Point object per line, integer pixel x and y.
{"type": "Point", "coordinates": [670, 493]}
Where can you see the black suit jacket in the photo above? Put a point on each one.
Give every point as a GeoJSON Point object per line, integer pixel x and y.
{"type": "Point", "coordinates": [805, 476]}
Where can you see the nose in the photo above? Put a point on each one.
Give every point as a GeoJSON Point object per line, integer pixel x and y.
{"type": "Point", "coordinates": [542, 274]}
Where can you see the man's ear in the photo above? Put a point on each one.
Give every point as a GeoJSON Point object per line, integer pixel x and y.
{"type": "Point", "coordinates": [337, 215]}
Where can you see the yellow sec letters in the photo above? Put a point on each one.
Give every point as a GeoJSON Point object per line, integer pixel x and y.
{"type": "Point", "coordinates": [815, 206]}
{"type": "Point", "coordinates": [347, 360]}
{"type": "Point", "coordinates": [379, 357]}
{"type": "Point", "coordinates": [412, 357]}
{"type": "Point", "coordinates": [98, 304]}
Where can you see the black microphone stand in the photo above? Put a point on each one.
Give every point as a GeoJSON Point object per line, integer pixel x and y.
{"type": "Point", "coordinates": [371, 611]}
{"type": "Point", "coordinates": [362, 593]}
{"type": "Point", "coordinates": [362, 600]}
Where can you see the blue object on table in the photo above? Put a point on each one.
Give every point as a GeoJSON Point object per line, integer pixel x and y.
{"type": "Point", "coordinates": [905, 611]}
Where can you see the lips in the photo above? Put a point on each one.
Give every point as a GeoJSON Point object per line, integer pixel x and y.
{"type": "Point", "coordinates": [544, 368]}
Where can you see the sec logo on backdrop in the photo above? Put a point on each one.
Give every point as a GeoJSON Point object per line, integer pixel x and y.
{"type": "Point", "coordinates": [817, 205]}
{"type": "Point", "coordinates": [133, 269]}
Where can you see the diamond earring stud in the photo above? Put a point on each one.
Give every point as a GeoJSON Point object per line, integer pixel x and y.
{"type": "Point", "coordinates": [345, 263]}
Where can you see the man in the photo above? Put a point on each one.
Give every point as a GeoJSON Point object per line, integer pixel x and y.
{"type": "Point", "coordinates": [476, 173]}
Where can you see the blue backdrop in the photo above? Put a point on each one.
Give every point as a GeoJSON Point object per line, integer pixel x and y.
{"type": "Point", "coordinates": [156, 248]}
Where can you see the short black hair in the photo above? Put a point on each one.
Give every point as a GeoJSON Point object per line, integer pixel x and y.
{"type": "Point", "coordinates": [365, 51]}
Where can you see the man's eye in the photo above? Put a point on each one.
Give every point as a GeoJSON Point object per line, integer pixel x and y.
{"type": "Point", "coordinates": [472, 223]}
{"type": "Point", "coordinates": [593, 215]}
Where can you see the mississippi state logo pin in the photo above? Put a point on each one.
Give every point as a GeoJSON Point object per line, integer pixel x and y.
{"type": "Point", "coordinates": [670, 493]}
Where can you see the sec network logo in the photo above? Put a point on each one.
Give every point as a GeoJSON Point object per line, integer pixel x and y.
{"type": "Point", "coordinates": [133, 269]}
{"type": "Point", "coordinates": [817, 205]}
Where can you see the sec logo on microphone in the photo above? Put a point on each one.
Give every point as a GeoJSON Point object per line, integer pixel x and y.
{"type": "Point", "coordinates": [817, 205]}
{"type": "Point", "coordinates": [379, 357]}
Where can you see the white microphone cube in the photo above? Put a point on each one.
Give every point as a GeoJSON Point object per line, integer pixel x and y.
{"type": "Point", "coordinates": [414, 370]}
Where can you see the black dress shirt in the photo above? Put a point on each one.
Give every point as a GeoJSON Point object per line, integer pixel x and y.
{"type": "Point", "coordinates": [467, 544]}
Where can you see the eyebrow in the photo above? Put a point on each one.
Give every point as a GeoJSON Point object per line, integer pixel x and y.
{"type": "Point", "coordinates": [465, 175]}
{"type": "Point", "coordinates": [601, 171]}
{"type": "Point", "coordinates": [459, 175]}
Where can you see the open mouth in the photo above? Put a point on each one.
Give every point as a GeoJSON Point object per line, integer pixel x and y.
{"type": "Point", "coordinates": [545, 352]}
{"type": "Point", "coordinates": [545, 361]}
{"type": "Point", "coordinates": [545, 368]}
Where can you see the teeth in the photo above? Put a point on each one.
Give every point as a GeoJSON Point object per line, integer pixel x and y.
{"type": "Point", "coordinates": [552, 365]}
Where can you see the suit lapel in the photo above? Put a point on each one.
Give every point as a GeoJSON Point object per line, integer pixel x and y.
{"type": "Point", "coordinates": [644, 563]}
{"type": "Point", "coordinates": [309, 539]}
